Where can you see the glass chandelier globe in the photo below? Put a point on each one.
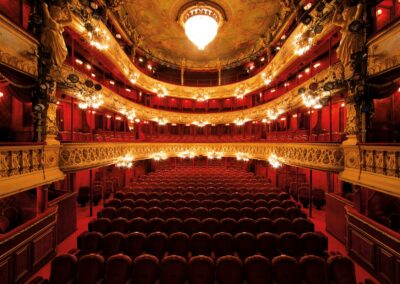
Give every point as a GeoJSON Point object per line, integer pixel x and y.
{"type": "Point", "coordinates": [201, 30]}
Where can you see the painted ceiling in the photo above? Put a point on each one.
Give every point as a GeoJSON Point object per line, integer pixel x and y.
{"type": "Point", "coordinates": [237, 39]}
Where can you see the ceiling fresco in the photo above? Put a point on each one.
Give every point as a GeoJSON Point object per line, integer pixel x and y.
{"type": "Point", "coordinates": [237, 39]}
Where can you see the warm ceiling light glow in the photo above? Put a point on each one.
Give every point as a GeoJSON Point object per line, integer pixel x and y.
{"type": "Point", "coordinates": [159, 156]}
{"type": "Point", "coordinates": [294, 115]}
{"type": "Point", "coordinates": [112, 82]}
{"type": "Point", "coordinates": [307, 70]}
{"type": "Point", "coordinates": [201, 22]}
{"type": "Point", "coordinates": [316, 65]}
{"type": "Point", "coordinates": [379, 12]}
{"type": "Point", "coordinates": [267, 79]}
{"type": "Point", "coordinates": [200, 123]}
{"type": "Point", "coordinates": [99, 39]}
{"type": "Point", "coordinates": [125, 161]}
{"type": "Point", "coordinates": [90, 100]}
{"type": "Point", "coordinates": [141, 59]}
{"type": "Point", "coordinates": [308, 6]}
{"type": "Point", "coordinates": [274, 161]}
{"type": "Point", "coordinates": [88, 66]}
{"type": "Point", "coordinates": [240, 91]}
{"type": "Point", "coordinates": [342, 105]}
{"type": "Point", "coordinates": [215, 155]}
{"type": "Point", "coordinates": [273, 90]}
{"type": "Point", "coordinates": [149, 67]}
{"type": "Point", "coordinates": [134, 77]}
{"type": "Point", "coordinates": [93, 75]}
{"type": "Point", "coordinates": [273, 114]}
{"type": "Point", "coordinates": [187, 154]}
{"type": "Point", "coordinates": [240, 121]}
{"type": "Point", "coordinates": [201, 95]}
{"type": "Point", "coordinates": [1, 94]}
{"type": "Point", "coordinates": [78, 61]}
{"type": "Point", "coordinates": [242, 157]}
{"type": "Point", "coordinates": [128, 90]}
{"type": "Point", "coordinates": [286, 84]}
{"type": "Point", "coordinates": [300, 76]}
{"type": "Point", "coordinates": [118, 36]}
{"type": "Point", "coordinates": [262, 59]}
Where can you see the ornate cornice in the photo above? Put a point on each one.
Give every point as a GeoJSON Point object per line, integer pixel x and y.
{"type": "Point", "coordinates": [77, 156]}
{"type": "Point", "coordinates": [373, 166]}
{"type": "Point", "coordinates": [115, 102]}
{"type": "Point", "coordinates": [26, 167]}
{"type": "Point", "coordinates": [381, 52]}
{"type": "Point", "coordinates": [285, 57]}
{"type": "Point", "coordinates": [18, 49]}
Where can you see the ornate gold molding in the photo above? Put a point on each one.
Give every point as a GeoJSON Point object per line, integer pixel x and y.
{"type": "Point", "coordinates": [115, 102]}
{"type": "Point", "coordinates": [18, 49]}
{"type": "Point", "coordinates": [372, 166]}
{"type": "Point", "coordinates": [285, 57]}
{"type": "Point", "coordinates": [77, 156]}
{"type": "Point", "coordinates": [26, 167]}
{"type": "Point", "coordinates": [382, 52]}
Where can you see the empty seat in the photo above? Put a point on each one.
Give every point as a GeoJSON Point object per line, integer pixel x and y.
{"type": "Point", "coordinates": [157, 244]}
{"type": "Point", "coordinates": [124, 212]}
{"type": "Point", "coordinates": [283, 225]}
{"type": "Point", "coordinates": [228, 225]}
{"type": "Point", "coordinates": [179, 244]}
{"type": "Point", "coordinates": [90, 242]}
{"type": "Point", "coordinates": [246, 225]}
{"type": "Point", "coordinates": [90, 269]}
{"type": "Point", "coordinates": [257, 270]}
{"type": "Point", "coordinates": [210, 226]}
{"type": "Point", "coordinates": [119, 225]}
{"type": "Point", "coordinates": [245, 244]}
{"type": "Point", "coordinates": [277, 212]}
{"type": "Point", "coordinates": [191, 226]}
{"type": "Point", "coordinates": [128, 203]}
{"type": "Point", "coordinates": [341, 270]}
{"type": "Point", "coordinates": [115, 203]}
{"type": "Point", "coordinates": [139, 212]}
{"type": "Point", "coordinates": [201, 244]}
{"type": "Point", "coordinates": [173, 270]}
{"type": "Point", "coordinates": [154, 212]}
{"type": "Point", "coordinates": [290, 244]}
{"type": "Point", "coordinates": [108, 212]}
{"type": "Point", "coordinates": [264, 225]}
{"type": "Point", "coordinates": [286, 270]}
{"type": "Point", "coordinates": [274, 203]}
{"type": "Point", "coordinates": [293, 213]}
{"type": "Point", "coordinates": [154, 203]}
{"type": "Point", "coordinates": [200, 213]}
{"type": "Point", "coordinates": [100, 225]}
{"type": "Point", "coordinates": [63, 269]}
{"type": "Point", "coordinates": [229, 270]}
{"type": "Point", "coordinates": [117, 269]}
{"type": "Point", "coordinates": [155, 225]}
{"type": "Point", "coordinates": [261, 212]}
{"type": "Point", "coordinates": [201, 270]}
{"type": "Point", "coordinates": [283, 196]}
{"type": "Point", "coordinates": [267, 244]}
{"type": "Point", "coordinates": [231, 212]}
{"type": "Point", "coordinates": [314, 243]}
{"type": "Point", "coordinates": [173, 225]}
{"type": "Point", "coordinates": [216, 213]}
{"type": "Point", "coordinates": [135, 244]}
{"type": "Point", "coordinates": [138, 225]}
{"type": "Point", "coordinates": [302, 225]}
{"type": "Point", "coordinates": [184, 213]}
{"type": "Point", "coordinates": [314, 270]}
{"type": "Point", "coordinates": [223, 244]}
{"type": "Point", "coordinates": [113, 243]}
{"type": "Point", "coordinates": [170, 212]}
{"type": "Point", "coordinates": [288, 204]}
{"type": "Point", "coordinates": [141, 203]}
{"type": "Point", "coordinates": [247, 212]}
{"type": "Point", "coordinates": [145, 269]}
{"type": "Point", "coordinates": [247, 203]}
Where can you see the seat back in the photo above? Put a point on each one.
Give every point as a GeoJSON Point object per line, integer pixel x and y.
{"type": "Point", "coordinates": [118, 268]}
{"type": "Point", "coordinates": [290, 244]}
{"type": "Point", "coordinates": [229, 270]}
{"type": "Point", "coordinates": [63, 269]}
{"type": "Point", "coordinates": [257, 270]}
{"type": "Point", "coordinates": [135, 244]}
{"type": "Point", "coordinates": [341, 270]}
{"type": "Point", "coordinates": [314, 270]}
{"type": "Point", "coordinates": [201, 244]}
{"type": "Point", "coordinates": [113, 243]}
{"type": "Point", "coordinates": [101, 225]}
{"type": "Point", "coordinates": [223, 244]}
{"type": "Point", "coordinates": [91, 242]}
{"type": "Point", "coordinates": [173, 270]}
{"type": "Point", "coordinates": [267, 244]}
{"type": "Point", "coordinates": [179, 244]}
{"type": "Point", "coordinates": [145, 269]}
{"type": "Point", "coordinates": [90, 269]}
{"type": "Point", "coordinates": [201, 270]}
{"type": "Point", "coordinates": [157, 244]}
{"type": "Point", "coordinates": [245, 244]}
{"type": "Point", "coordinates": [286, 270]}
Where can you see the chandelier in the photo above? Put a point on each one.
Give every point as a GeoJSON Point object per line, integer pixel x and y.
{"type": "Point", "coordinates": [215, 155]}
{"type": "Point", "coordinates": [267, 79]}
{"type": "Point", "coordinates": [134, 77]}
{"type": "Point", "coordinates": [200, 123]}
{"type": "Point", "coordinates": [159, 156]}
{"type": "Point", "coordinates": [240, 156]}
{"type": "Point", "coordinates": [125, 161]}
{"type": "Point", "coordinates": [187, 154]}
{"type": "Point", "coordinates": [98, 38]}
{"type": "Point", "coordinates": [88, 100]}
{"type": "Point", "coordinates": [130, 114]}
{"type": "Point", "coordinates": [240, 121]}
{"type": "Point", "coordinates": [160, 90]}
{"type": "Point", "coordinates": [201, 21]}
{"type": "Point", "coordinates": [273, 114]}
{"type": "Point", "coordinates": [161, 121]}
{"type": "Point", "coordinates": [303, 43]}
{"type": "Point", "coordinates": [240, 91]}
{"type": "Point", "coordinates": [273, 160]}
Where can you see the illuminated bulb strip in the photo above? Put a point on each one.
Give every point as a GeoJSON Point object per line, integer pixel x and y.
{"type": "Point", "coordinates": [187, 154]}
{"type": "Point", "coordinates": [240, 121]}
{"type": "Point", "coordinates": [125, 161]}
{"type": "Point", "coordinates": [273, 160]}
{"type": "Point", "coordinates": [274, 114]}
{"type": "Point", "coordinates": [242, 156]}
{"type": "Point", "coordinates": [159, 156]}
{"type": "Point", "coordinates": [200, 123]}
{"type": "Point", "coordinates": [215, 155]}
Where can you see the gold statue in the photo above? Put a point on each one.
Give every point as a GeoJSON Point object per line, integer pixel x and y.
{"type": "Point", "coordinates": [351, 42]}
{"type": "Point", "coordinates": [55, 18]}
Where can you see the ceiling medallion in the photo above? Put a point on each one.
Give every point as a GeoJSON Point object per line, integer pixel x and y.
{"type": "Point", "coordinates": [201, 21]}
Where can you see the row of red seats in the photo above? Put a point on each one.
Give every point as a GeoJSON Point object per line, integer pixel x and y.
{"type": "Point", "coordinates": [242, 244]}
{"type": "Point", "coordinates": [201, 213]}
{"type": "Point", "coordinates": [193, 225]}
{"type": "Point", "coordinates": [173, 269]}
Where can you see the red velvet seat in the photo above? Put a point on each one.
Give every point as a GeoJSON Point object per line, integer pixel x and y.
{"type": "Point", "coordinates": [135, 244]}
{"type": "Point", "coordinates": [245, 244]}
{"type": "Point", "coordinates": [139, 212]}
{"type": "Point", "coordinates": [258, 270]}
{"type": "Point", "coordinates": [107, 212]}
{"type": "Point", "coordinates": [277, 212]}
{"type": "Point", "coordinates": [90, 269]}
{"type": "Point", "coordinates": [228, 225]}
{"type": "Point", "coordinates": [179, 244]}
{"type": "Point", "coordinates": [155, 225]}
{"type": "Point", "coordinates": [193, 203]}
{"type": "Point", "coordinates": [100, 225]}
{"type": "Point", "coordinates": [124, 212]}
{"type": "Point", "coordinates": [113, 243]}
{"type": "Point", "coordinates": [145, 269]}
{"type": "Point", "coordinates": [274, 203]}
{"type": "Point", "coordinates": [210, 226]}
{"type": "Point", "coordinates": [118, 268]}
{"type": "Point", "coordinates": [267, 244]}
{"type": "Point", "coordinates": [141, 202]}
{"type": "Point", "coordinates": [247, 203]}
{"type": "Point", "coordinates": [63, 269]}
{"type": "Point", "coordinates": [247, 212]}
{"type": "Point", "coordinates": [314, 270]}
{"type": "Point", "coordinates": [191, 226]}
{"type": "Point", "coordinates": [170, 212]}
{"type": "Point", "coordinates": [115, 203]}
{"type": "Point", "coordinates": [185, 213]}
{"type": "Point", "coordinates": [201, 270]}
{"type": "Point", "coordinates": [154, 212]}
{"type": "Point", "coordinates": [283, 225]}
{"type": "Point", "coordinates": [246, 225]}
{"type": "Point", "coordinates": [138, 225]}
{"type": "Point", "coordinates": [129, 203]}
{"type": "Point", "coordinates": [261, 212]}
{"type": "Point", "coordinates": [314, 244]}
{"type": "Point", "coordinates": [283, 196]}
{"type": "Point", "coordinates": [264, 225]}
{"type": "Point", "coordinates": [229, 270]}
{"type": "Point", "coordinates": [286, 270]}
{"type": "Point", "coordinates": [290, 244]}
{"type": "Point", "coordinates": [200, 213]}
{"type": "Point", "coordinates": [119, 195]}
{"type": "Point", "coordinates": [341, 270]}
{"type": "Point", "coordinates": [90, 242]}
{"type": "Point", "coordinates": [223, 244]}
{"type": "Point", "coordinates": [216, 213]}
{"type": "Point", "coordinates": [119, 225]}
{"type": "Point", "coordinates": [173, 270]}
{"type": "Point", "coordinates": [157, 244]}
{"type": "Point", "coordinates": [231, 212]}
{"type": "Point", "coordinates": [288, 204]}
{"type": "Point", "coordinates": [154, 203]}
{"type": "Point", "coordinates": [201, 244]}
{"type": "Point", "coordinates": [302, 225]}
{"type": "Point", "coordinates": [173, 225]}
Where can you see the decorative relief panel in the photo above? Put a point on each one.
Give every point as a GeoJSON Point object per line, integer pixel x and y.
{"type": "Point", "coordinates": [373, 166]}
{"type": "Point", "coordinates": [382, 54]}
{"type": "Point", "coordinates": [76, 156]}
{"type": "Point", "coordinates": [115, 102]}
{"type": "Point", "coordinates": [18, 50]}
{"type": "Point", "coordinates": [24, 167]}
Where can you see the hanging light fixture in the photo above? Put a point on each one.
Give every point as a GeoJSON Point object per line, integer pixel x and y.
{"type": "Point", "coordinates": [274, 161]}
{"type": "Point", "coordinates": [125, 161]}
{"type": "Point", "coordinates": [240, 156]}
{"type": "Point", "coordinates": [159, 156]}
{"type": "Point", "coordinates": [160, 90]}
{"type": "Point", "coordinates": [134, 77]}
{"type": "Point", "coordinates": [200, 123]}
{"type": "Point", "coordinates": [187, 154]}
{"type": "Point", "coordinates": [273, 114]}
{"type": "Point", "coordinates": [241, 91]}
{"type": "Point", "coordinates": [240, 121]}
{"type": "Point", "coordinates": [215, 155]}
{"type": "Point", "coordinates": [201, 21]}
{"type": "Point", "coordinates": [93, 101]}
{"type": "Point", "coordinates": [98, 37]}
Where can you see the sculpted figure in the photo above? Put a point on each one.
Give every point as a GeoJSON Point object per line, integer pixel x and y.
{"type": "Point", "coordinates": [351, 42]}
{"type": "Point", "coordinates": [55, 18]}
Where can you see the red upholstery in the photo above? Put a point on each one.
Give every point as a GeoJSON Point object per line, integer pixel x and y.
{"type": "Point", "coordinates": [314, 270]}
{"type": "Point", "coordinates": [90, 269]}
{"type": "Point", "coordinates": [117, 269]}
{"type": "Point", "coordinates": [145, 269]}
{"type": "Point", "coordinates": [286, 270]}
{"type": "Point", "coordinates": [257, 270]}
{"type": "Point", "coordinates": [341, 270]}
{"type": "Point", "coordinates": [173, 270]}
{"type": "Point", "coordinates": [135, 244]}
{"type": "Point", "coordinates": [179, 244]}
{"type": "Point", "coordinates": [201, 270]}
{"type": "Point", "coordinates": [229, 270]}
{"type": "Point", "coordinates": [63, 269]}
{"type": "Point", "coordinates": [201, 244]}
